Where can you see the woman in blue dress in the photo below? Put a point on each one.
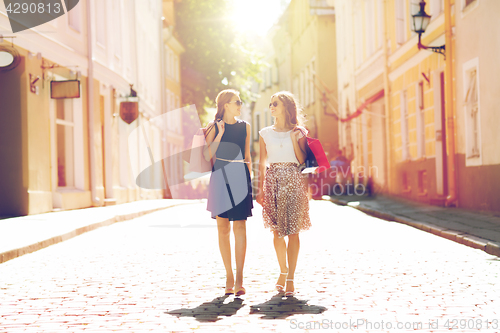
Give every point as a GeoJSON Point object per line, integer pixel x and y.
{"type": "Point", "coordinates": [230, 190]}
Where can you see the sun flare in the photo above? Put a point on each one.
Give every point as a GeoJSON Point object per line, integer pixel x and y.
{"type": "Point", "coordinates": [255, 16]}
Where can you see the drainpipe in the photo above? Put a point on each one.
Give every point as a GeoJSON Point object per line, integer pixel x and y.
{"type": "Point", "coordinates": [451, 199]}
{"type": "Point", "coordinates": [90, 101]}
{"type": "Point", "coordinates": [387, 102]}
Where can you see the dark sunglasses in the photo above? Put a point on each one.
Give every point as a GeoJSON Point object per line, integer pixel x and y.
{"type": "Point", "coordinates": [275, 104]}
{"type": "Point", "coordinates": [239, 103]}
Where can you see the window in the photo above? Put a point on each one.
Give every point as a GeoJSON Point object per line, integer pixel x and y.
{"type": "Point", "coordinates": [436, 8]}
{"type": "Point", "coordinates": [404, 126]}
{"type": "Point", "coordinates": [414, 8]}
{"type": "Point", "coordinates": [123, 132]}
{"type": "Point", "coordinates": [422, 182]}
{"type": "Point", "coordinates": [312, 88]}
{"type": "Point", "coordinates": [301, 88]}
{"type": "Point", "coordinates": [405, 182]}
{"type": "Point", "coordinates": [117, 16]}
{"type": "Point", "coordinates": [358, 37]}
{"type": "Point", "coordinates": [400, 22]}
{"type": "Point", "coordinates": [306, 86]}
{"type": "Point", "coordinates": [176, 67]}
{"type": "Point", "coordinates": [420, 120]}
{"type": "Point", "coordinates": [257, 126]}
{"type": "Point", "coordinates": [296, 86]}
{"type": "Point", "coordinates": [381, 21]}
{"type": "Point", "coordinates": [468, 2]}
{"type": "Point", "coordinates": [370, 26]}
{"type": "Point", "coordinates": [276, 73]}
{"type": "Point", "coordinates": [472, 114]}
{"type": "Point", "coordinates": [65, 139]}
{"type": "Point", "coordinates": [100, 7]}
{"type": "Point", "coordinates": [74, 18]}
{"type": "Point", "coordinates": [171, 65]}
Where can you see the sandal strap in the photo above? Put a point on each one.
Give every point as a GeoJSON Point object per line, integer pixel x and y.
{"type": "Point", "coordinates": [289, 280]}
{"type": "Point", "coordinates": [284, 273]}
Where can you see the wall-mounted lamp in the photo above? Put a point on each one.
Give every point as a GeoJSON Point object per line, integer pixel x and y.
{"type": "Point", "coordinates": [420, 22]}
{"type": "Point", "coordinates": [9, 58]}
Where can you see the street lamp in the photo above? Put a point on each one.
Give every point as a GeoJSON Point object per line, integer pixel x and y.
{"type": "Point", "coordinates": [420, 22]}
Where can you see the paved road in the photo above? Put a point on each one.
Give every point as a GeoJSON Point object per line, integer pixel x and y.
{"type": "Point", "coordinates": [162, 272]}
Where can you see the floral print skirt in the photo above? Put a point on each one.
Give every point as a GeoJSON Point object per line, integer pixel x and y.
{"type": "Point", "coordinates": [286, 204]}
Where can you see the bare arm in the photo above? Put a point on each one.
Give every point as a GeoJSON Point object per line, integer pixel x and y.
{"type": "Point", "coordinates": [262, 170]}
{"type": "Point", "coordinates": [213, 141]}
{"type": "Point", "coordinates": [299, 146]}
{"type": "Point", "coordinates": [248, 158]}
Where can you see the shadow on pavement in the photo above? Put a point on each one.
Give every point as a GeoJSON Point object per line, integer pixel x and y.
{"type": "Point", "coordinates": [279, 307]}
{"type": "Point", "coordinates": [210, 311]}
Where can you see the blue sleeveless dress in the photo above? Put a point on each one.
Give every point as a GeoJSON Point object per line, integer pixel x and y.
{"type": "Point", "coordinates": [230, 188]}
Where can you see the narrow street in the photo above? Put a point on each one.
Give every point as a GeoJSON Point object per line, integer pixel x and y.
{"type": "Point", "coordinates": [163, 273]}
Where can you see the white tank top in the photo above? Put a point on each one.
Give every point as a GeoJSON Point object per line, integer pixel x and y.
{"type": "Point", "coordinates": [279, 145]}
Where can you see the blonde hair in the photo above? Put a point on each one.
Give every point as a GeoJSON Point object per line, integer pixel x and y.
{"type": "Point", "coordinates": [293, 110]}
{"type": "Point", "coordinates": [224, 97]}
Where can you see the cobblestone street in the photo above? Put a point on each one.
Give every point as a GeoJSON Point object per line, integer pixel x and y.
{"type": "Point", "coordinates": [162, 272]}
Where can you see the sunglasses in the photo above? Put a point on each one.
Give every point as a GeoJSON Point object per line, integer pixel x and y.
{"type": "Point", "coordinates": [239, 103]}
{"type": "Point", "coordinates": [275, 104]}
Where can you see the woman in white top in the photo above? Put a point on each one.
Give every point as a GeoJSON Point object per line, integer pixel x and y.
{"type": "Point", "coordinates": [283, 192]}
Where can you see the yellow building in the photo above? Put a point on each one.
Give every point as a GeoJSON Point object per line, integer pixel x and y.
{"type": "Point", "coordinates": [73, 152]}
{"type": "Point", "coordinates": [422, 124]}
{"type": "Point", "coordinates": [362, 75]}
{"type": "Point", "coordinates": [398, 128]}
{"type": "Point", "coordinates": [174, 139]}
{"type": "Point", "coordinates": [418, 135]}
{"type": "Point", "coordinates": [477, 117]}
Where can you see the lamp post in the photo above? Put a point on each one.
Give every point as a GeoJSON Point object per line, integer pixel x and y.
{"type": "Point", "coordinates": [420, 22]}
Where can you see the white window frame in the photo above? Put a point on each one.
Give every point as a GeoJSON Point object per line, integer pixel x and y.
{"type": "Point", "coordinates": [473, 155]}
{"type": "Point", "coordinates": [420, 91]}
{"type": "Point", "coordinates": [405, 137]}
{"type": "Point", "coordinates": [401, 24]}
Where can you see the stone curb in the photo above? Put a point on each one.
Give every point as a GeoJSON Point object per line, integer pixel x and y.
{"type": "Point", "coordinates": [15, 253]}
{"type": "Point", "coordinates": [475, 242]}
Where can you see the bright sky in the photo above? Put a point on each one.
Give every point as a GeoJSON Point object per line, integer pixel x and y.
{"type": "Point", "coordinates": [256, 15]}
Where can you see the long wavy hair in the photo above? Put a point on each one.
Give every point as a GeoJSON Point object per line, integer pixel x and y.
{"type": "Point", "coordinates": [224, 97]}
{"type": "Point", "coordinates": [293, 110]}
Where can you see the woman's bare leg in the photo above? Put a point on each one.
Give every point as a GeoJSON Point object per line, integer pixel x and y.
{"type": "Point", "coordinates": [224, 229]}
{"type": "Point", "coordinates": [293, 254]}
{"type": "Point", "coordinates": [280, 248]}
{"type": "Point", "coordinates": [240, 245]}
